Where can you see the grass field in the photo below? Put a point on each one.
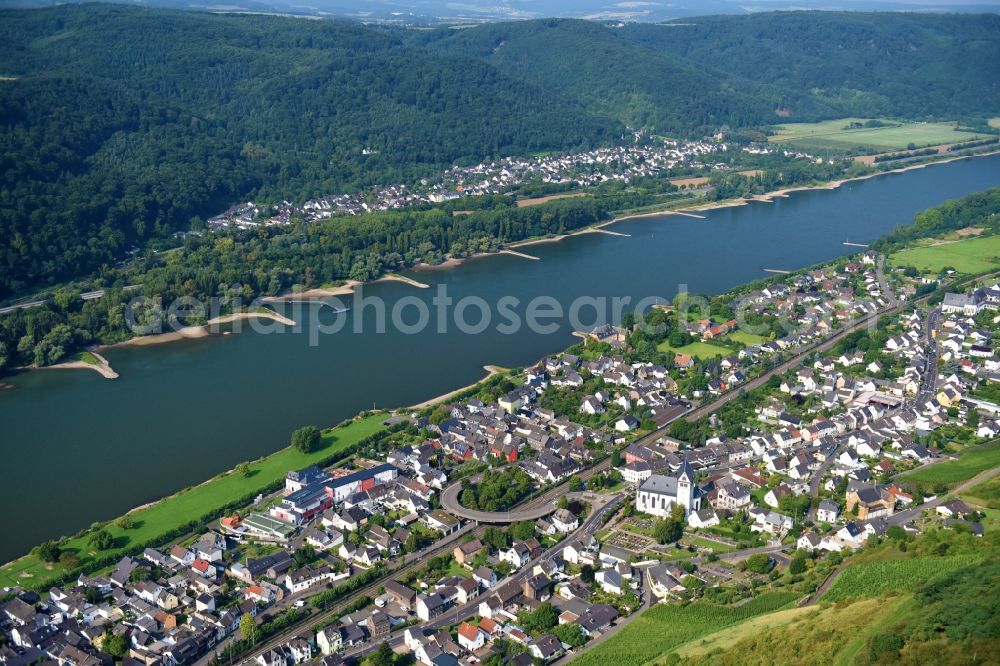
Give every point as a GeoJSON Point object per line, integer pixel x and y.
{"type": "Point", "coordinates": [696, 349]}
{"type": "Point", "coordinates": [986, 493]}
{"type": "Point", "coordinates": [749, 339]}
{"type": "Point", "coordinates": [994, 122]}
{"type": "Point", "coordinates": [811, 635]}
{"type": "Point", "coordinates": [831, 136]}
{"type": "Point", "coordinates": [664, 627]}
{"type": "Point", "coordinates": [953, 472]}
{"type": "Point", "coordinates": [872, 579]}
{"type": "Point", "coordinates": [193, 503]}
{"type": "Point", "coordinates": [86, 357]}
{"type": "Point", "coordinates": [972, 255]}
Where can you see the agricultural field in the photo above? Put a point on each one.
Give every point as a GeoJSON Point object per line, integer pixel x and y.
{"type": "Point", "coordinates": [830, 136]}
{"type": "Point", "coordinates": [972, 255]}
{"type": "Point", "coordinates": [952, 472]}
{"type": "Point", "coordinates": [994, 122]}
{"type": "Point", "coordinates": [664, 627]}
{"type": "Point", "coordinates": [872, 579]}
{"type": "Point", "coordinates": [176, 511]}
{"type": "Point", "coordinates": [696, 349]}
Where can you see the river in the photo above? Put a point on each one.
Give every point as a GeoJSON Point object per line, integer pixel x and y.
{"type": "Point", "coordinates": [79, 448]}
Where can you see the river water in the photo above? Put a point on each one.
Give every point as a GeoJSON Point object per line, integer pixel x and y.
{"type": "Point", "coordinates": [78, 448]}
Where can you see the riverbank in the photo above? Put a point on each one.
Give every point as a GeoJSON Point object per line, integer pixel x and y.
{"type": "Point", "coordinates": [95, 362]}
{"type": "Point", "coordinates": [195, 332]}
{"type": "Point", "coordinates": [170, 514]}
{"type": "Point", "coordinates": [491, 370]}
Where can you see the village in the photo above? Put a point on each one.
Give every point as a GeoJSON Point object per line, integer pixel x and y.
{"type": "Point", "coordinates": [646, 157]}
{"type": "Point", "coordinates": [524, 522]}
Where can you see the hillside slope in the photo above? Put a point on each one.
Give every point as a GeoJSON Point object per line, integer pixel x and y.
{"type": "Point", "coordinates": [908, 65]}
{"type": "Point", "coordinates": [596, 67]}
{"type": "Point", "coordinates": [120, 124]}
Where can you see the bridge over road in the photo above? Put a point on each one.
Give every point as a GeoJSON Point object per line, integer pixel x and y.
{"type": "Point", "coordinates": [450, 503]}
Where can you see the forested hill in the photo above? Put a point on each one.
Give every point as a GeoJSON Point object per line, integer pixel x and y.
{"type": "Point", "coordinates": [120, 124]}
{"type": "Point", "coordinates": [908, 65]}
{"type": "Point", "coordinates": [694, 74]}
{"type": "Point", "coordinates": [600, 70]}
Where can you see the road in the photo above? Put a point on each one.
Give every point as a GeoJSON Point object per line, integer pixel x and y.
{"type": "Point", "coordinates": [85, 296]}
{"type": "Point", "coordinates": [450, 503]}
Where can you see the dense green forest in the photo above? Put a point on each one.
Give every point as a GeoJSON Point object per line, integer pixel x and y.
{"type": "Point", "coordinates": [981, 209]}
{"type": "Point", "coordinates": [120, 126]}
{"type": "Point", "coordinates": [846, 64]}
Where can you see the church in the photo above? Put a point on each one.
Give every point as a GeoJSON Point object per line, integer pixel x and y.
{"type": "Point", "coordinates": [658, 493]}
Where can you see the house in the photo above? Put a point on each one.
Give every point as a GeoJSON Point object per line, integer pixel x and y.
{"type": "Point", "coordinates": [870, 502]}
{"type": "Point", "coordinates": [626, 423]}
{"type": "Point", "coordinates": [485, 576]}
{"type": "Point", "coordinates": [564, 521]}
{"type": "Point", "coordinates": [470, 637]}
{"type": "Point", "coordinates": [401, 594]}
{"type": "Point", "coordinates": [329, 639]}
{"type": "Point", "coordinates": [464, 553]}
{"type": "Point", "coordinates": [809, 541]}
{"type": "Point", "coordinates": [537, 587]}
{"type": "Point", "coordinates": [705, 517]}
{"type": "Point", "coordinates": [731, 496]}
{"type": "Point", "coordinates": [546, 647]}
{"type": "Point", "coordinates": [596, 619]}
{"type": "Point", "coordinates": [442, 521]}
{"type": "Point", "coordinates": [828, 511]}
{"type": "Point", "coordinates": [955, 508]}
{"type": "Point", "coordinates": [610, 581]}
{"type": "Point", "coordinates": [852, 535]}
{"type": "Point", "coordinates": [663, 582]}
{"type": "Point", "coordinates": [430, 606]}
{"type": "Point", "coordinates": [517, 555]}
{"type": "Point", "coordinates": [774, 495]}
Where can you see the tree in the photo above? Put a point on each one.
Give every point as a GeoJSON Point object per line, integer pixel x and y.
{"type": "Point", "coordinates": [563, 502]}
{"type": "Point", "coordinates": [306, 439]}
{"type": "Point", "coordinates": [587, 573]}
{"type": "Point", "coordinates": [115, 644]}
{"type": "Point", "coordinates": [125, 522]}
{"type": "Point", "coordinates": [541, 619]}
{"type": "Point", "coordinates": [496, 537]}
{"type": "Point", "coordinates": [440, 415]}
{"type": "Point", "coordinates": [304, 555]}
{"type": "Point", "coordinates": [249, 629]}
{"type": "Point", "coordinates": [243, 469]}
{"type": "Point", "coordinates": [759, 563]}
{"type": "Point", "coordinates": [797, 565]}
{"type": "Point", "coordinates": [68, 560]}
{"type": "Point", "coordinates": [101, 540]}
{"type": "Point", "coordinates": [523, 530]}
{"type": "Point", "coordinates": [383, 656]}
{"type": "Point", "coordinates": [468, 499]}
{"type": "Point", "coordinates": [570, 633]}
{"type": "Point", "coordinates": [669, 530]}
{"type": "Point", "coordinates": [48, 551]}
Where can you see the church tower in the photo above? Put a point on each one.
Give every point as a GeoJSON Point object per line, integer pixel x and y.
{"type": "Point", "coordinates": [686, 488]}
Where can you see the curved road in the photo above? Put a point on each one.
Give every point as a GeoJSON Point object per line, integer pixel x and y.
{"type": "Point", "coordinates": [450, 503]}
